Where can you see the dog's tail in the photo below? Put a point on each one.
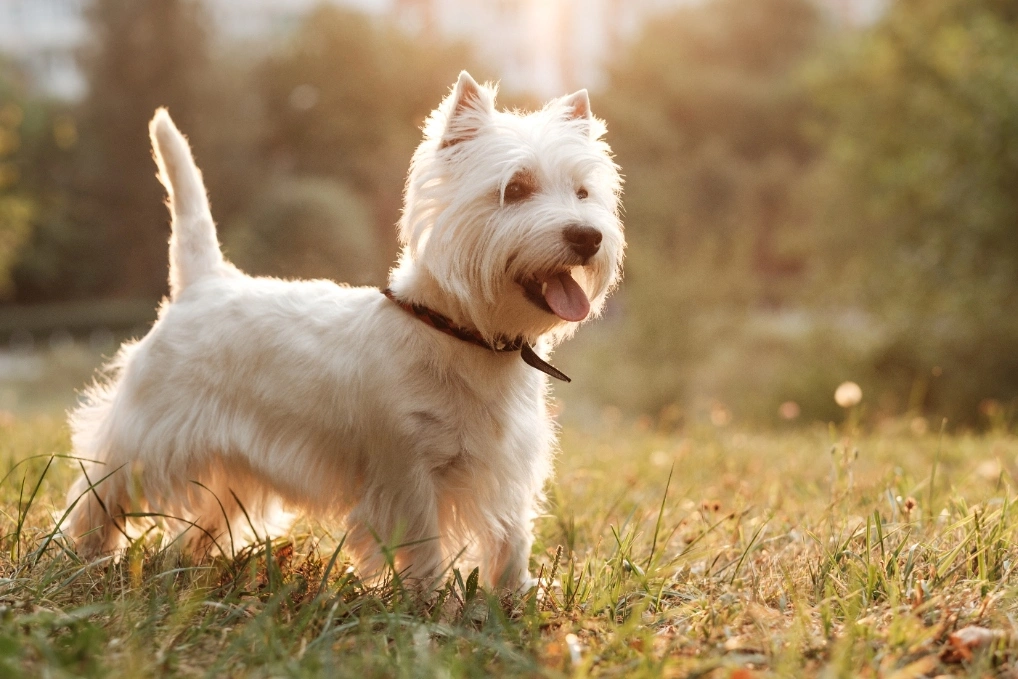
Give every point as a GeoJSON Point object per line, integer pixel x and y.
{"type": "Point", "coordinates": [194, 249]}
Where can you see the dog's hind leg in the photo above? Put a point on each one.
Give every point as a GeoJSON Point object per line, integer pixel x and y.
{"type": "Point", "coordinates": [101, 497]}
{"type": "Point", "coordinates": [403, 515]}
{"type": "Point", "coordinates": [100, 500]}
{"type": "Point", "coordinates": [228, 511]}
{"type": "Point", "coordinates": [106, 500]}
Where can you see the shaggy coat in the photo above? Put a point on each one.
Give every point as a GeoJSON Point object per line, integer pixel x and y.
{"type": "Point", "coordinates": [250, 395]}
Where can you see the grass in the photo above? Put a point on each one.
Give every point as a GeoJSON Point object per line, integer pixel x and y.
{"type": "Point", "coordinates": [714, 553]}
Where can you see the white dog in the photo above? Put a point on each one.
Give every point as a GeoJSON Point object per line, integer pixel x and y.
{"type": "Point", "coordinates": [415, 413]}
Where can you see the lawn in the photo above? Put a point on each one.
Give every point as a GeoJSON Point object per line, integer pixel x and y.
{"type": "Point", "coordinates": [817, 552]}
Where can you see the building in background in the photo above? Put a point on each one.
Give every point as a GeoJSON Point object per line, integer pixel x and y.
{"type": "Point", "coordinates": [553, 46]}
{"type": "Point", "coordinates": [542, 46]}
{"type": "Point", "coordinates": [42, 38]}
{"type": "Point", "coordinates": [256, 20]}
{"type": "Point", "coordinates": [856, 12]}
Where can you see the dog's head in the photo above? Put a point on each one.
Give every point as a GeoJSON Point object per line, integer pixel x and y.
{"type": "Point", "coordinates": [514, 216]}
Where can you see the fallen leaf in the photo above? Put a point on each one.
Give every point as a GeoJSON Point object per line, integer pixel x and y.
{"type": "Point", "coordinates": [963, 643]}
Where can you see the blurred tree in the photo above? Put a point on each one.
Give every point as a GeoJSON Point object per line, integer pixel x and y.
{"type": "Point", "coordinates": [884, 158]}
{"type": "Point", "coordinates": [110, 240]}
{"type": "Point", "coordinates": [706, 113]}
{"type": "Point", "coordinates": [346, 98]}
{"type": "Point", "coordinates": [343, 100]}
{"type": "Point", "coordinates": [144, 55]}
{"type": "Point", "coordinates": [307, 228]}
{"type": "Point", "coordinates": [16, 205]}
{"type": "Point", "coordinates": [49, 264]}
{"type": "Point", "coordinates": [922, 215]}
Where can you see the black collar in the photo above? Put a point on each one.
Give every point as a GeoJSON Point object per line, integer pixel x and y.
{"type": "Point", "coordinates": [501, 344]}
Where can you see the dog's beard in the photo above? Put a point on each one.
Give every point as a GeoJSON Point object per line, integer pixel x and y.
{"type": "Point", "coordinates": [512, 274]}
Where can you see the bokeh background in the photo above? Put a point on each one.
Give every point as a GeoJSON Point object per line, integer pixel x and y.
{"type": "Point", "coordinates": [816, 190]}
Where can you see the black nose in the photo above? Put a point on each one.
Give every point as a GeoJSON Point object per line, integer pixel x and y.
{"type": "Point", "coordinates": [584, 240]}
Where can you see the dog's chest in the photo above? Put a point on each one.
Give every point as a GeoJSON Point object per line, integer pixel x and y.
{"type": "Point", "coordinates": [473, 431]}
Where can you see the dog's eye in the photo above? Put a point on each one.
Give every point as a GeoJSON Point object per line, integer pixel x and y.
{"type": "Point", "coordinates": [516, 191]}
{"type": "Point", "coordinates": [582, 193]}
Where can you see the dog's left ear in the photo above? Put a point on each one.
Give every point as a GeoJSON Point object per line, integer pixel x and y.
{"type": "Point", "coordinates": [578, 105]}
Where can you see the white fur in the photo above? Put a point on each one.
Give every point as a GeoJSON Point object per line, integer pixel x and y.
{"type": "Point", "coordinates": [334, 400]}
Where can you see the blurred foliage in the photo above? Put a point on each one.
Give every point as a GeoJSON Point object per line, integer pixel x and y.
{"type": "Point", "coordinates": [341, 100]}
{"type": "Point", "coordinates": [922, 222]}
{"type": "Point", "coordinates": [308, 228]}
{"type": "Point", "coordinates": [142, 55]}
{"type": "Point", "coordinates": [807, 202]}
{"type": "Point", "coordinates": [706, 115]}
{"type": "Point", "coordinates": [346, 98]}
{"type": "Point", "coordinates": [15, 206]}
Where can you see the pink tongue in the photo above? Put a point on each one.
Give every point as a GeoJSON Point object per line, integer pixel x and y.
{"type": "Point", "coordinates": [566, 298]}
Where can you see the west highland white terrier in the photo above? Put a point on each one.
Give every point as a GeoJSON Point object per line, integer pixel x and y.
{"type": "Point", "coordinates": [417, 415]}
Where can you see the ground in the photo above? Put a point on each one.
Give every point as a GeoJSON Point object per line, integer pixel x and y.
{"type": "Point", "coordinates": [822, 552]}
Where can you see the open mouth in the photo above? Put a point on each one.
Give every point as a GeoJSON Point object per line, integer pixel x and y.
{"type": "Point", "coordinates": [558, 294]}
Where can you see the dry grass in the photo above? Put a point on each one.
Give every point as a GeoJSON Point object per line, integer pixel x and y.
{"type": "Point", "coordinates": [786, 554]}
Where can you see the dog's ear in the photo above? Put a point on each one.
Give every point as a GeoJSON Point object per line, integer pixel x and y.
{"type": "Point", "coordinates": [577, 105]}
{"type": "Point", "coordinates": [467, 109]}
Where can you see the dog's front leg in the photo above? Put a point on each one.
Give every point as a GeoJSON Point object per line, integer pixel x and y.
{"type": "Point", "coordinates": [508, 558]}
{"type": "Point", "coordinates": [402, 513]}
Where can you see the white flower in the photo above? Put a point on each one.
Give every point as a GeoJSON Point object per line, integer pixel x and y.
{"type": "Point", "coordinates": [848, 394]}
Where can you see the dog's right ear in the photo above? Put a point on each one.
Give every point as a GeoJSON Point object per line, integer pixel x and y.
{"type": "Point", "coordinates": [466, 110]}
